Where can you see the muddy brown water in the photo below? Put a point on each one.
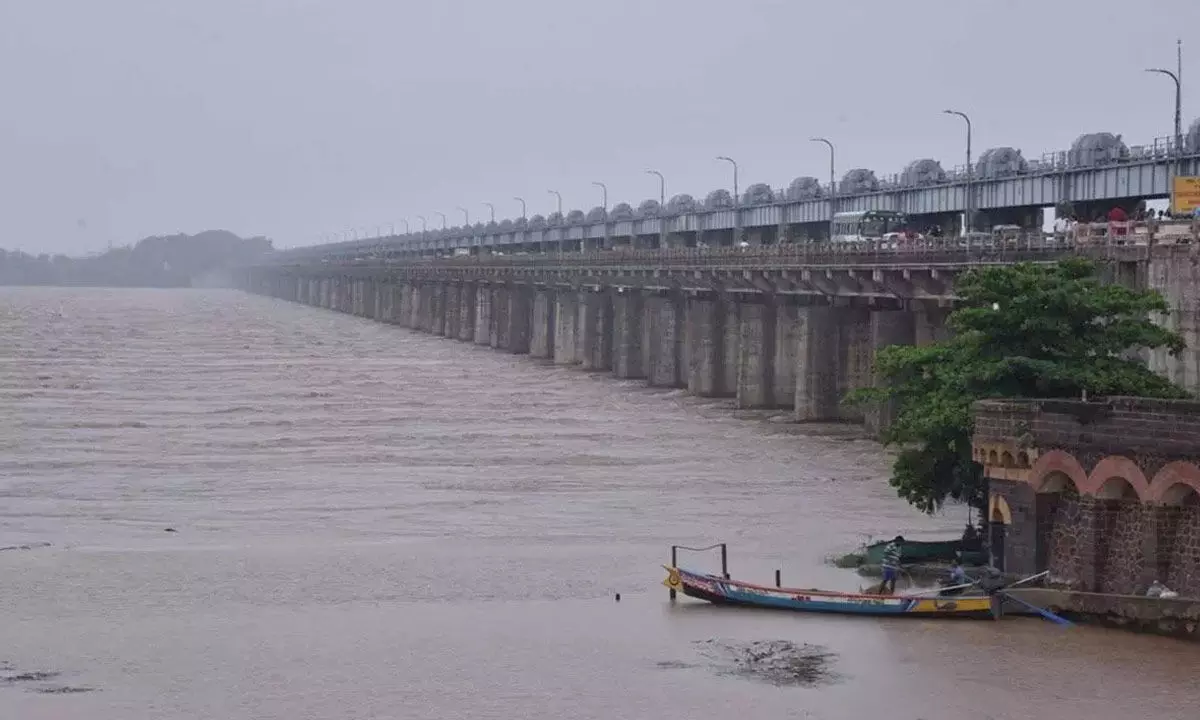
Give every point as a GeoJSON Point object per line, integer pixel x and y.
{"type": "Point", "coordinates": [375, 523]}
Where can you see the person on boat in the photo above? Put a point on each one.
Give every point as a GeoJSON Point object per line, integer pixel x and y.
{"type": "Point", "coordinates": [891, 566]}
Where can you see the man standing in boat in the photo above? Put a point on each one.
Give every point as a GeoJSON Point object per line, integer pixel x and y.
{"type": "Point", "coordinates": [891, 566]}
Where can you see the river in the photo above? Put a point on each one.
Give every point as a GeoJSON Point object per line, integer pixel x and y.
{"type": "Point", "coordinates": [225, 506]}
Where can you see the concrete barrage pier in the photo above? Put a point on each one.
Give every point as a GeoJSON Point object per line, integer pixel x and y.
{"type": "Point", "coordinates": [786, 327]}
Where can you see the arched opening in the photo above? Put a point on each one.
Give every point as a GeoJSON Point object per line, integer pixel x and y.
{"type": "Point", "coordinates": [1117, 488]}
{"type": "Point", "coordinates": [1006, 460]}
{"type": "Point", "coordinates": [997, 531]}
{"type": "Point", "coordinates": [1023, 459]}
{"type": "Point", "coordinates": [1181, 495]}
{"type": "Point", "coordinates": [1058, 482]}
{"type": "Point", "coordinates": [993, 458]}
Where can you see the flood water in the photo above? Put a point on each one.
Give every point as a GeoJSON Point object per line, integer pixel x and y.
{"type": "Point", "coordinates": [374, 523]}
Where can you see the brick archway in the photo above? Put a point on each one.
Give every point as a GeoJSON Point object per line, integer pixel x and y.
{"type": "Point", "coordinates": [1117, 466]}
{"type": "Point", "coordinates": [1057, 461]}
{"type": "Point", "coordinates": [1172, 474]}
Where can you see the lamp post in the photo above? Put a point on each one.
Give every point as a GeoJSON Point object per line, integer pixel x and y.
{"type": "Point", "coordinates": [967, 216]}
{"type": "Point", "coordinates": [603, 194]}
{"type": "Point", "coordinates": [736, 197]}
{"type": "Point", "coordinates": [662, 186]}
{"type": "Point", "coordinates": [407, 231]}
{"type": "Point", "coordinates": [1177, 77]}
{"type": "Point", "coordinates": [558, 195]}
{"type": "Point", "coordinates": [524, 214]}
{"type": "Point", "coordinates": [832, 177]}
{"type": "Point", "coordinates": [466, 216]}
{"type": "Point", "coordinates": [493, 209]}
{"type": "Point", "coordinates": [442, 215]}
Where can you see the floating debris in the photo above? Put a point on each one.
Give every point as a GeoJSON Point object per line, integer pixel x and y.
{"type": "Point", "coordinates": [62, 690]}
{"type": "Point", "coordinates": [29, 677]}
{"type": "Point", "coordinates": [27, 546]}
{"type": "Point", "coordinates": [778, 662]}
{"type": "Point", "coordinates": [673, 665]}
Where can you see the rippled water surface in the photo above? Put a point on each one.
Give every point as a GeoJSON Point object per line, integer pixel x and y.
{"type": "Point", "coordinates": [374, 523]}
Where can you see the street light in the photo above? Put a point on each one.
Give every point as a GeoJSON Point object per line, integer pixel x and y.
{"type": "Point", "coordinates": [466, 216]}
{"type": "Point", "coordinates": [558, 195]}
{"type": "Point", "coordinates": [407, 231]}
{"type": "Point", "coordinates": [493, 209]}
{"type": "Point", "coordinates": [967, 217]}
{"type": "Point", "coordinates": [603, 194]}
{"type": "Point", "coordinates": [1178, 93]}
{"type": "Point", "coordinates": [832, 175]}
{"type": "Point", "coordinates": [522, 201]}
{"type": "Point", "coordinates": [662, 186]}
{"type": "Point", "coordinates": [442, 215]}
{"type": "Point", "coordinates": [424, 224]}
{"type": "Point", "coordinates": [733, 162]}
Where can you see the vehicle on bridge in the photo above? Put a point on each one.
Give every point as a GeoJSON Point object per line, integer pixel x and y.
{"type": "Point", "coordinates": [869, 226]}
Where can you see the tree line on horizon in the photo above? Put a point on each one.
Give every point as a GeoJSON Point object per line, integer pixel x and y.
{"type": "Point", "coordinates": [161, 261]}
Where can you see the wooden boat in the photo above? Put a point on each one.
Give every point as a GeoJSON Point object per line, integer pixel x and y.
{"type": "Point", "coordinates": [724, 591]}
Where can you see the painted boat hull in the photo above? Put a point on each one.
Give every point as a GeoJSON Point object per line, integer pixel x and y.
{"type": "Point", "coordinates": [721, 591]}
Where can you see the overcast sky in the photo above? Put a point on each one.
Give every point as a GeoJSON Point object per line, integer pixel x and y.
{"type": "Point", "coordinates": [292, 118]}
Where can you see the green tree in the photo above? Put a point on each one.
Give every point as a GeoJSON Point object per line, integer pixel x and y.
{"type": "Point", "coordinates": [1045, 331]}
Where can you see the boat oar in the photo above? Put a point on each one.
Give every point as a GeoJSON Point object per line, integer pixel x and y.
{"type": "Point", "coordinates": [1040, 611]}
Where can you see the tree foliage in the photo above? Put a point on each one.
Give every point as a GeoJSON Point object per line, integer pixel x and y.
{"type": "Point", "coordinates": [1047, 331]}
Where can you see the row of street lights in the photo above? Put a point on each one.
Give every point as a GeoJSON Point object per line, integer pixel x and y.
{"type": "Point", "coordinates": [1175, 75]}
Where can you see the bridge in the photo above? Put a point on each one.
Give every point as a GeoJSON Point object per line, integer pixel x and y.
{"type": "Point", "coordinates": [787, 327]}
{"type": "Point", "coordinates": [1099, 171]}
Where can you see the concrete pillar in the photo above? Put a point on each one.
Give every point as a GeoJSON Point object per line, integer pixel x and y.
{"type": "Point", "coordinates": [888, 327]}
{"type": "Point", "coordinates": [854, 357]}
{"type": "Point", "coordinates": [396, 290]}
{"type": "Point", "coordinates": [787, 347]}
{"type": "Point", "coordinates": [596, 330]}
{"type": "Point", "coordinates": [384, 296]}
{"type": "Point", "coordinates": [732, 345]}
{"type": "Point", "coordinates": [377, 292]}
{"type": "Point", "coordinates": [437, 309]}
{"type": "Point", "coordinates": [452, 314]}
{"type": "Point", "coordinates": [566, 317]}
{"type": "Point", "coordinates": [500, 310]}
{"type": "Point", "coordinates": [543, 324]}
{"type": "Point", "coordinates": [466, 312]}
{"type": "Point", "coordinates": [326, 297]}
{"type": "Point", "coordinates": [706, 348]}
{"type": "Point", "coordinates": [930, 322]}
{"type": "Point", "coordinates": [756, 364]}
{"type": "Point", "coordinates": [483, 315]}
{"type": "Point", "coordinates": [666, 336]}
{"type": "Point", "coordinates": [816, 398]}
{"type": "Point", "coordinates": [314, 292]}
{"type": "Point", "coordinates": [628, 316]}
{"type": "Point", "coordinates": [415, 306]}
{"type": "Point", "coordinates": [520, 319]}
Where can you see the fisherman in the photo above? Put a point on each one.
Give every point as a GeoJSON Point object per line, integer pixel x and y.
{"type": "Point", "coordinates": [958, 578]}
{"type": "Point", "coordinates": [891, 566]}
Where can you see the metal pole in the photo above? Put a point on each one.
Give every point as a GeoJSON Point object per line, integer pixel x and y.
{"type": "Point", "coordinates": [662, 186]}
{"type": "Point", "coordinates": [1175, 76]}
{"type": "Point", "coordinates": [443, 216]}
{"type": "Point", "coordinates": [967, 218]}
{"type": "Point", "coordinates": [493, 210]}
{"type": "Point", "coordinates": [558, 195]}
{"type": "Point", "coordinates": [731, 161]}
{"type": "Point", "coordinates": [466, 216]}
{"type": "Point", "coordinates": [832, 180]}
{"type": "Point", "coordinates": [674, 564]}
{"type": "Point", "coordinates": [603, 194]}
{"type": "Point", "coordinates": [406, 228]}
{"type": "Point", "coordinates": [523, 213]}
{"type": "Point", "coordinates": [725, 561]}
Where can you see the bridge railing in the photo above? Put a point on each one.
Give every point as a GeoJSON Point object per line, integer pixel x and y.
{"type": "Point", "coordinates": [996, 247]}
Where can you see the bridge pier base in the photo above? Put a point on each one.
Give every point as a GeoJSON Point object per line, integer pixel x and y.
{"type": "Point", "coordinates": [466, 312]}
{"type": "Point", "coordinates": [483, 315]}
{"type": "Point", "coordinates": [596, 330]}
{"type": "Point", "coordinates": [452, 314]}
{"type": "Point", "coordinates": [628, 335]}
{"type": "Point", "coordinates": [816, 398]}
{"type": "Point", "coordinates": [498, 318]}
{"type": "Point", "coordinates": [756, 362]}
{"type": "Point", "coordinates": [888, 327]}
{"type": "Point", "coordinates": [437, 308]}
{"type": "Point", "coordinates": [519, 319]}
{"type": "Point", "coordinates": [706, 348]}
{"type": "Point", "coordinates": [787, 345]}
{"type": "Point", "coordinates": [541, 335]}
{"type": "Point", "coordinates": [666, 341]}
{"type": "Point", "coordinates": [566, 319]}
